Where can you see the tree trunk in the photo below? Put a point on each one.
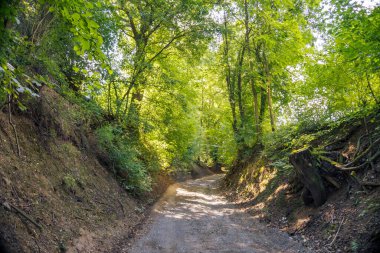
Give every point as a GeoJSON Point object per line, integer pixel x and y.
{"type": "Point", "coordinates": [263, 100]}
{"type": "Point", "coordinates": [255, 106]}
{"type": "Point", "coordinates": [239, 86]}
{"type": "Point", "coordinates": [270, 106]}
{"type": "Point", "coordinates": [109, 99]}
{"type": "Point", "coordinates": [269, 91]}
{"type": "Point", "coordinates": [371, 89]}
{"type": "Point", "coordinates": [229, 81]}
{"type": "Point", "coordinates": [308, 172]}
{"type": "Point", "coordinates": [251, 78]}
{"type": "Point", "coordinates": [133, 116]}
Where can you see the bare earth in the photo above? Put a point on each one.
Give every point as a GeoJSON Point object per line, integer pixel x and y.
{"type": "Point", "coordinates": [193, 218]}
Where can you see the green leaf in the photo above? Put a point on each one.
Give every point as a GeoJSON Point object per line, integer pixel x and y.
{"type": "Point", "coordinates": [91, 23]}
{"type": "Point", "coordinates": [85, 45]}
{"type": "Point", "coordinates": [76, 17]}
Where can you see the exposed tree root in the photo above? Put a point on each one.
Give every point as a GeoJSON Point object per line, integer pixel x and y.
{"type": "Point", "coordinates": [332, 181]}
{"type": "Point", "coordinates": [346, 168]}
{"type": "Point", "coordinates": [368, 150]}
{"type": "Point", "coordinates": [358, 144]}
{"type": "Point", "coordinates": [317, 170]}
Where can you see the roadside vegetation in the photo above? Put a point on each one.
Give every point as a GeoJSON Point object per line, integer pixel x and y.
{"type": "Point", "coordinates": [155, 87]}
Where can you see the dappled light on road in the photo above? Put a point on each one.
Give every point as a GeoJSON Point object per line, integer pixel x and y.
{"type": "Point", "coordinates": [192, 217]}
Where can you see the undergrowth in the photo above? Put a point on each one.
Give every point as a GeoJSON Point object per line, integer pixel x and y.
{"type": "Point", "coordinates": [131, 160]}
{"type": "Point", "coordinates": [277, 146]}
{"type": "Point", "coordinates": [128, 159]}
{"type": "Point", "coordinates": [304, 132]}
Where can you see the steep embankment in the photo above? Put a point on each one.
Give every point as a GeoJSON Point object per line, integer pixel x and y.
{"type": "Point", "coordinates": [268, 187]}
{"type": "Point", "coordinates": [56, 196]}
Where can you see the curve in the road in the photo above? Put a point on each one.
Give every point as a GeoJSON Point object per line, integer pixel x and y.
{"type": "Point", "coordinates": [193, 218]}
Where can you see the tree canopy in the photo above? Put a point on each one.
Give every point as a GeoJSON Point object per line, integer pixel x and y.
{"type": "Point", "coordinates": [175, 81]}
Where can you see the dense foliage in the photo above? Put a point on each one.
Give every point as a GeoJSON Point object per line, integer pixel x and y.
{"type": "Point", "coordinates": [174, 81]}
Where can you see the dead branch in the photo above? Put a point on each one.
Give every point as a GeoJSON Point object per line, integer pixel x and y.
{"type": "Point", "coordinates": [337, 232]}
{"type": "Point", "coordinates": [38, 246]}
{"type": "Point", "coordinates": [79, 218]}
{"type": "Point", "coordinates": [365, 183]}
{"type": "Point", "coordinates": [13, 125]}
{"type": "Point", "coordinates": [121, 205]}
{"type": "Point", "coordinates": [38, 26]}
{"type": "Point", "coordinates": [8, 206]}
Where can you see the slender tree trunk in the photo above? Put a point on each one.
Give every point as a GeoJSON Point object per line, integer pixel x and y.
{"type": "Point", "coordinates": [255, 106]}
{"type": "Point", "coordinates": [263, 100]}
{"type": "Point", "coordinates": [133, 116]}
{"type": "Point", "coordinates": [239, 87]}
{"type": "Point", "coordinates": [260, 58]}
{"type": "Point", "coordinates": [202, 107]}
{"type": "Point", "coordinates": [270, 106]}
{"type": "Point", "coordinates": [132, 109]}
{"type": "Point", "coordinates": [126, 97]}
{"type": "Point", "coordinates": [269, 92]}
{"type": "Point", "coordinates": [109, 100]}
{"type": "Point", "coordinates": [251, 78]}
{"type": "Point", "coordinates": [118, 102]}
{"type": "Point", "coordinates": [371, 90]}
{"type": "Point", "coordinates": [234, 120]}
{"type": "Point", "coordinates": [229, 81]}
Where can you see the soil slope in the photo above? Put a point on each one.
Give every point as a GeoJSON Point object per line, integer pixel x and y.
{"type": "Point", "coordinates": [349, 221]}
{"type": "Point", "coordinates": [60, 184]}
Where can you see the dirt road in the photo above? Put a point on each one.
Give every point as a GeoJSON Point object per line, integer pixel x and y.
{"type": "Point", "coordinates": [192, 218]}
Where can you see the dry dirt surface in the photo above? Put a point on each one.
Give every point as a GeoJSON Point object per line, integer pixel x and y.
{"type": "Point", "coordinates": [193, 217]}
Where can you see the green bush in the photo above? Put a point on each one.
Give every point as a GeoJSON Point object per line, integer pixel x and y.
{"type": "Point", "coordinates": [126, 159]}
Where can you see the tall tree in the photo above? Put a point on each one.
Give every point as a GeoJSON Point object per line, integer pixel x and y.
{"type": "Point", "coordinates": [148, 29]}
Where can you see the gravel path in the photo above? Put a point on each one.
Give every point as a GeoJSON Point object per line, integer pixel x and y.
{"type": "Point", "coordinates": [193, 218]}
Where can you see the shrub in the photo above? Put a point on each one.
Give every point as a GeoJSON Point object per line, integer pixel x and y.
{"type": "Point", "coordinates": [125, 157]}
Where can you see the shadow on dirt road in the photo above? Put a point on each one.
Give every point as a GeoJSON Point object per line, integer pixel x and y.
{"type": "Point", "coordinates": [192, 217]}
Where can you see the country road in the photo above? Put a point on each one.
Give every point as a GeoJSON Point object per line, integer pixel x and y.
{"type": "Point", "coordinates": [193, 218]}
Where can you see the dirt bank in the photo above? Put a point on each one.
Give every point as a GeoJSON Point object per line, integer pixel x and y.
{"type": "Point", "coordinates": [59, 183]}
{"type": "Point", "coordinates": [269, 188]}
